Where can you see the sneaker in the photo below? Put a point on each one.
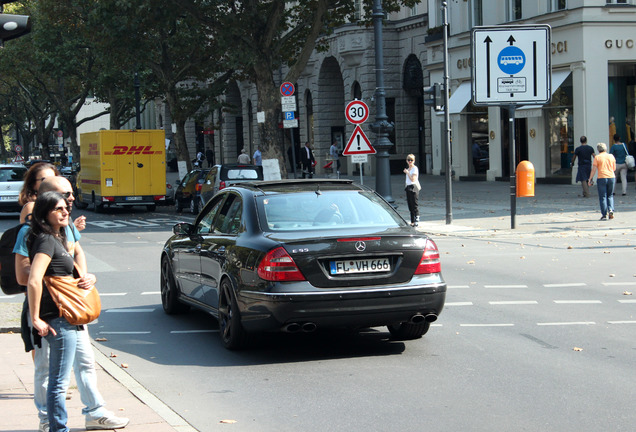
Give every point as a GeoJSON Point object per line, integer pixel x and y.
{"type": "Point", "coordinates": [603, 217]}
{"type": "Point", "coordinates": [44, 427]}
{"type": "Point", "coordinates": [106, 422]}
{"type": "Point", "coordinates": [611, 215]}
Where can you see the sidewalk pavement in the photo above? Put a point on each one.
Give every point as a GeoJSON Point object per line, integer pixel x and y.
{"type": "Point", "coordinates": [480, 209]}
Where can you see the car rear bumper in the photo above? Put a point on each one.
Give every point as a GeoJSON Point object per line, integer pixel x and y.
{"type": "Point", "coordinates": [10, 206]}
{"type": "Point", "coordinates": [339, 307]}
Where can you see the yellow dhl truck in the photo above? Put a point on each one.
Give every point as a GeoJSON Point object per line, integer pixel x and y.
{"type": "Point", "coordinates": [121, 168]}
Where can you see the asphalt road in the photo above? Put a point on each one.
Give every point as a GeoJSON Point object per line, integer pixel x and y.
{"type": "Point", "coordinates": [537, 334]}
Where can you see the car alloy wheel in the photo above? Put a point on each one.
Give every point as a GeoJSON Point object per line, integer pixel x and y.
{"type": "Point", "coordinates": [171, 305]}
{"type": "Point", "coordinates": [232, 333]}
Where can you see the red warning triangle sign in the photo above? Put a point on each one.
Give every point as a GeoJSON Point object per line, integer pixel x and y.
{"type": "Point", "coordinates": [358, 143]}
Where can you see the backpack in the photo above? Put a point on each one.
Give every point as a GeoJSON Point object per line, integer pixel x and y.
{"type": "Point", "coordinates": [8, 281]}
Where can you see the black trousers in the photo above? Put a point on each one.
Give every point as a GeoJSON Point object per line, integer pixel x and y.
{"type": "Point", "coordinates": [411, 201]}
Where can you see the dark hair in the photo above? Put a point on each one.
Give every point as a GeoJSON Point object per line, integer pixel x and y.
{"type": "Point", "coordinates": [31, 177]}
{"type": "Point", "coordinates": [617, 137]}
{"type": "Point", "coordinates": [583, 139]}
{"type": "Point", "coordinates": [44, 204]}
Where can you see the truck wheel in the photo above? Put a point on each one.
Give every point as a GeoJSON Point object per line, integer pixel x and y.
{"type": "Point", "coordinates": [151, 207]}
{"type": "Point", "coordinates": [79, 202]}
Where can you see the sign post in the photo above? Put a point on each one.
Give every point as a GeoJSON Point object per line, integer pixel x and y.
{"type": "Point", "coordinates": [288, 106]}
{"type": "Point", "coordinates": [359, 146]}
{"type": "Point", "coordinates": [511, 67]}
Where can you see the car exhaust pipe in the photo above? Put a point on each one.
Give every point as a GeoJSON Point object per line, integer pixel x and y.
{"type": "Point", "coordinates": [417, 318]}
{"type": "Point", "coordinates": [431, 317]}
{"type": "Point", "coordinates": [309, 327]}
{"type": "Point", "coordinates": [292, 328]}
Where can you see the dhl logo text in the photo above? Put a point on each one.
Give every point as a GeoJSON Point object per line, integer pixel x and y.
{"type": "Point", "coordinates": [132, 150]}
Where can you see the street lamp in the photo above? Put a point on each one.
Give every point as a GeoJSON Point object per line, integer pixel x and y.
{"type": "Point", "coordinates": [381, 127]}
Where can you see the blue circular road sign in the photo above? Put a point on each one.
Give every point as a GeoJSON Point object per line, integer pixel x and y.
{"type": "Point", "coordinates": [511, 60]}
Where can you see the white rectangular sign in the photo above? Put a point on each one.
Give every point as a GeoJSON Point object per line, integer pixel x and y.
{"type": "Point", "coordinates": [511, 65]}
{"type": "Point", "coordinates": [359, 158]}
{"type": "Point", "coordinates": [288, 107]}
{"type": "Point", "coordinates": [287, 124]}
{"type": "Point", "coordinates": [288, 100]}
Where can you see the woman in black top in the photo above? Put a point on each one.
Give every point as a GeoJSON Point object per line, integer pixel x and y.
{"type": "Point", "coordinates": [49, 256]}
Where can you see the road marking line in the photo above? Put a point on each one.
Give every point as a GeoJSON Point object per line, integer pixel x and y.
{"type": "Point", "coordinates": [517, 302]}
{"type": "Point", "coordinates": [123, 332]}
{"type": "Point", "coordinates": [486, 325]}
{"type": "Point", "coordinates": [458, 304]}
{"type": "Point", "coordinates": [135, 242]}
{"type": "Point", "coordinates": [103, 294]}
{"type": "Point", "coordinates": [457, 286]}
{"type": "Point", "coordinates": [150, 292]}
{"type": "Point", "coordinates": [193, 331]}
{"type": "Point", "coordinates": [621, 322]}
{"type": "Point", "coordinates": [577, 301]}
{"type": "Point", "coordinates": [627, 301]}
{"type": "Point", "coordinates": [103, 243]}
{"type": "Point", "coordinates": [567, 323]}
{"type": "Point", "coordinates": [506, 286]}
{"type": "Point", "coordinates": [565, 285]}
{"type": "Point", "coordinates": [130, 310]}
{"type": "Point", "coordinates": [619, 283]}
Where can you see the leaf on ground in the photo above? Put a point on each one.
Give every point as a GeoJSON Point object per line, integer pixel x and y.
{"type": "Point", "coordinates": [627, 293]}
{"type": "Point", "coordinates": [577, 349]}
{"type": "Point", "coordinates": [570, 247]}
{"type": "Point", "coordinates": [228, 421]}
{"type": "Point", "coordinates": [113, 355]}
{"type": "Point", "coordinates": [100, 339]}
{"type": "Point", "coordinates": [612, 275]}
{"type": "Point", "coordinates": [470, 262]}
{"type": "Point", "coordinates": [124, 365]}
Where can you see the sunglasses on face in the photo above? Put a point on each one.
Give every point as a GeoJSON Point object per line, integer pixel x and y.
{"type": "Point", "coordinates": [61, 209]}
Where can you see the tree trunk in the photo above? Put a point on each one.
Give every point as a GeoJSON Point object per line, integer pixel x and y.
{"type": "Point", "coordinates": [272, 143]}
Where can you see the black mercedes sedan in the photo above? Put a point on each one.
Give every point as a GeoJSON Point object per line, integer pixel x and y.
{"type": "Point", "coordinates": [301, 255]}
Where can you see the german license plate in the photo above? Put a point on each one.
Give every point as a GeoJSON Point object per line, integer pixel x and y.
{"type": "Point", "coordinates": [360, 266]}
{"type": "Point", "coordinates": [9, 198]}
{"type": "Point", "coordinates": [137, 198]}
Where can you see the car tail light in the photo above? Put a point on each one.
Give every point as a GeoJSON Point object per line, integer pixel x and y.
{"type": "Point", "coordinates": [108, 199]}
{"type": "Point", "coordinates": [198, 187]}
{"type": "Point", "coordinates": [160, 197]}
{"type": "Point", "coordinates": [278, 266]}
{"type": "Point", "coordinates": [222, 185]}
{"type": "Point", "coordinates": [430, 260]}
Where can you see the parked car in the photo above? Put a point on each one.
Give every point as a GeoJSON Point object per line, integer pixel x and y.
{"type": "Point", "coordinates": [11, 180]}
{"type": "Point", "coordinates": [222, 176]}
{"type": "Point", "coordinates": [187, 193]}
{"type": "Point", "coordinates": [169, 194]}
{"type": "Point", "coordinates": [299, 255]}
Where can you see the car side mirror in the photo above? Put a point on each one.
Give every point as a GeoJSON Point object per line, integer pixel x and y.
{"type": "Point", "coordinates": [183, 228]}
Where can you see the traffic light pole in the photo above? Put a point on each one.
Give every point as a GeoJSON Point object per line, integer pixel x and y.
{"type": "Point", "coordinates": [449, 165]}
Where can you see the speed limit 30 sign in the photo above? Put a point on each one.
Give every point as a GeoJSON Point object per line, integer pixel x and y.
{"type": "Point", "coordinates": [357, 112]}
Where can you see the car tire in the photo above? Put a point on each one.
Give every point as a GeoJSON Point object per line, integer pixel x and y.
{"type": "Point", "coordinates": [169, 295]}
{"type": "Point", "coordinates": [408, 331]}
{"type": "Point", "coordinates": [232, 333]}
{"type": "Point", "coordinates": [151, 207]}
{"type": "Point", "coordinates": [194, 206]}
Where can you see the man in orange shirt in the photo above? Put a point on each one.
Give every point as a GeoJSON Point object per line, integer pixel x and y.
{"type": "Point", "coordinates": [605, 164]}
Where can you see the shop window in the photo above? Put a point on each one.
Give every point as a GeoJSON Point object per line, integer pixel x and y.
{"type": "Point", "coordinates": [617, 2]}
{"type": "Point", "coordinates": [560, 133]}
{"type": "Point", "coordinates": [477, 16]}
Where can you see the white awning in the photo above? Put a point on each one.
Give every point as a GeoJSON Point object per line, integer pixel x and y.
{"type": "Point", "coordinates": [557, 79]}
{"type": "Point", "coordinates": [459, 98]}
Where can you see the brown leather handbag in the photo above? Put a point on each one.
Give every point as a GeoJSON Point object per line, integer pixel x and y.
{"type": "Point", "coordinates": [78, 306]}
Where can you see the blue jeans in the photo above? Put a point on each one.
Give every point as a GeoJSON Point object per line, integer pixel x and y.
{"type": "Point", "coordinates": [605, 188]}
{"type": "Point", "coordinates": [85, 376]}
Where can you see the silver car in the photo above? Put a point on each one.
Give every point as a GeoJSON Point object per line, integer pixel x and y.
{"type": "Point", "coordinates": [11, 180]}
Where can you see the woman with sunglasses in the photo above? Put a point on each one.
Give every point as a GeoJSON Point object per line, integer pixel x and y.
{"type": "Point", "coordinates": [49, 255]}
{"type": "Point", "coordinates": [32, 180]}
{"type": "Point", "coordinates": [412, 189]}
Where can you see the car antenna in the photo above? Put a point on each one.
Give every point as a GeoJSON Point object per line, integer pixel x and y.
{"type": "Point", "coordinates": [318, 190]}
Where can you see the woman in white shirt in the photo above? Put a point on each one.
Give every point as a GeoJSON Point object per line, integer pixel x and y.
{"type": "Point", "coordinates": [412, 189]}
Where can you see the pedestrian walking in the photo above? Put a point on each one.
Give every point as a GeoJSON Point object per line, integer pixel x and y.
{"type": "Point", "coordinates": [619, 151]}
{"type": "Point", "coordinates": [257, 157]}
{"type": "Point", "coordinates": [97, 417]}
{"type": "Point", "coordinates": [585, 154]}
{"type": "Point", "coordinates": [333, 152]}
{"type": "Point", "coordinates": [307, 159]}
{"type": "Point", "coordinates": [244, 158]}
{"type": "Point", "coordinates": [604, 164]}
{"type": "Point", "coordinates": [209, 156]}
{"type": "Point", "coordinates": [412, 188]}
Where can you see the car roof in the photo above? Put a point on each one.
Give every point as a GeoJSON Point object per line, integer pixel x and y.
{"type": "Point", "coordinates": [298, 185]}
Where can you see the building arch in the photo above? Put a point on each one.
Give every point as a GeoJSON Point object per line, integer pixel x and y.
{"type": "Point", "coordinates": [413, 113]}
{"type": "Point", "coordinates": [329, 120]}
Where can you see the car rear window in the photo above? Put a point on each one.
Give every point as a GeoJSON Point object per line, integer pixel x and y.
{"type": "Point", "coordinates": [238, 173]}
{"type": "Point", "coordinates": [333, 209]}
{"type": "Point", "coordinates": [12, 174]}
